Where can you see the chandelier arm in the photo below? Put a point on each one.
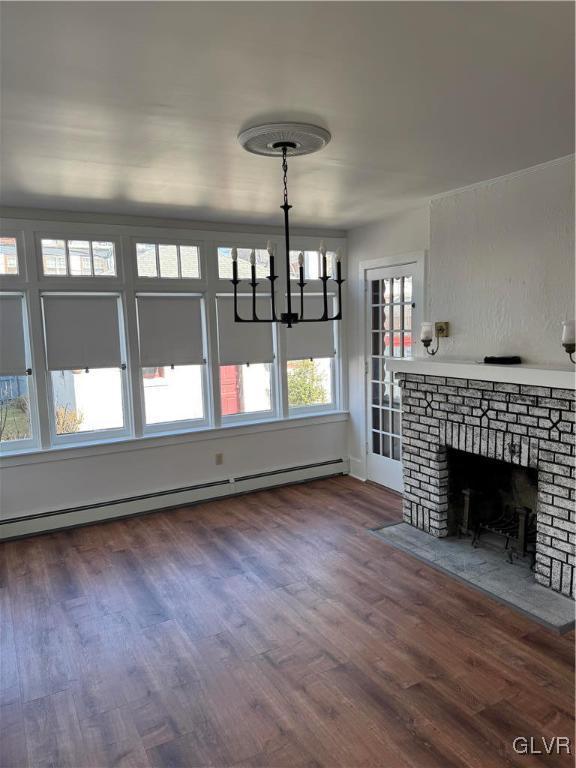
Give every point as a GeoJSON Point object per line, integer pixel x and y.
{"type": "Point", "coordinates": [235, 281]}
{"type": "Point", "coordinates": [301, 284]}
{"type": "Point", "coordinates": [272, 278]}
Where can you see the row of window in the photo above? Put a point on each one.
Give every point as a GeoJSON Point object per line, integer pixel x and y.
{"type": "Point", "coordinates": [114, 362]}
{"type": "Point", "coordinates": [97, 258]}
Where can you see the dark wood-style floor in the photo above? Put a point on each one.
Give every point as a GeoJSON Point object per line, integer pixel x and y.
{"type": "Point", "coordinates": [267, 630]}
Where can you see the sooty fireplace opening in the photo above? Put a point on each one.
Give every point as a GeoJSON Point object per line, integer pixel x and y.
{"type": "Point", "coordinates": [493, 501]}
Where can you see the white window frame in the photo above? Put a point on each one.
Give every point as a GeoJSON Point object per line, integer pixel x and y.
{"type": "Point", "coordinates": [33, 283]}
{"type": "Point", "coordinates": [184, 425]}
{"type": "Point", "coordinates": [169, 283]}
{"type": "Point", "coordinates": [275, 374]}
{"type": "Point", "coordinates": [21, 276]}
{"type": "Point", "coordinates": [303, 410]}
{"type": "Point", "coordinates": [94, 436]}
{"type": "Point", "coordinates": [80, 280]}
{"type": "Point", "coordinates": [10, 447]}
{"type": "Point", "coordinates": [258, 243]}
{"type": "Point", "coordinates": [332, 244]}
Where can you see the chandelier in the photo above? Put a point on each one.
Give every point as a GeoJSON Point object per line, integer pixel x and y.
{"type": "Point", "coordinates": [282, 140]}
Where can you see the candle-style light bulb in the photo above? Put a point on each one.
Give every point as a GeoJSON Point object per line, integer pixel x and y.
{"type": "Point", "coordinates": [234, 254]}
{"type": "Point", "coordinates": [301, 259]}
{"type": "Point", "coordinates": [338, 255]}
{"type": "Point", "coordinates": [568, 332]}
{"type": "Point", "coordinates": [253, 257]}
{"type": "Point", "coordinates": [322, 248]}
{"type": "Point", "coordinates": [426, 332]}
{"type": "Point", "coordinates": [270, 248]}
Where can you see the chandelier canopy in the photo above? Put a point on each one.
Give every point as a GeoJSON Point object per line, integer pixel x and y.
{"type": "Point", "coordinates": [283, 140]}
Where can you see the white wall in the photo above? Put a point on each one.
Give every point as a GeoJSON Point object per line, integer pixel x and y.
{"type": "Point", "coordinates": [76, 477]}
{"type": "Point", "coordinates": [501, 265]}
{"type": "Point", "coordinates": [404, 232]}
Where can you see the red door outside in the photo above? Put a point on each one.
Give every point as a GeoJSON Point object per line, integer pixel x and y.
{"type": "Point", "coordinates": [229, 390]}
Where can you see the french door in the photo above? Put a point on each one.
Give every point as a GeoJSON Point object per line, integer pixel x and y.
{"type": "Point", "coordinates": [393, 294]}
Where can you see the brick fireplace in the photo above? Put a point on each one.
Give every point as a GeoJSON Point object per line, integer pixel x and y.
{"type": "Point", "coordinates": [523, 424]}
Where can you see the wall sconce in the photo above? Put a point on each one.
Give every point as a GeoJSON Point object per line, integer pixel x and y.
{"type": "Point", "coordinates": [427, 332]}
{"type": "Point", "coordinates": [568, 339]}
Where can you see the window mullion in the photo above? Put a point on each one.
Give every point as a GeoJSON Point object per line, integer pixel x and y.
{"type": "Point", "coordinates": [39, 367]}
{"type": "Point", "coordinates": [211, 265]}
{"type": "Point", "coordinates": [133, 372]}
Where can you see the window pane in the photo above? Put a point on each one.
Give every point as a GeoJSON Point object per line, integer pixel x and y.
{"type": "Point", "coordinates": [8, 256]}
{"type": "Point", "coordinates": [14, 408]}
{"type": "Point", "coordinates": [386, 446]}
{"type": "Point", "coordinates": [168, 257]}
{"type": "Point", "coordinates": [54, 257]}
{"type": "Point", "coordinates": [245, 388]}
{"type": "Point", "coordinates": [104, 258]}
{"type": "Point", "coordinates": [87, 402]}
{"type": "Point", "coordinates": [309, 382]}
{"type": "Point", "coordinates": [146, 259]}
{"type": "Point", "coordinates": [79, 255]}
{"type": "Point", "coordinates": [386, 294]}
{"type": "Point", "coordinates": [385, 420]}
{"type": "Point", "coordinates": [408, 289]}
{"type": "Point", "coordinates": [407, 345]}
{"type": "Point", "coordinates": [173, 394]}
{"type": "Point", "coordinates": [407, 316]}
{"type": "Point", "coordinates": [312, 264]}
{"type": "Point", "coordinates": [244, 271]}
{"type": "Point", "coordinates": [189, 261]}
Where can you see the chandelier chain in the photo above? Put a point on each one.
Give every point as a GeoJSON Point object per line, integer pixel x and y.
{"type": "Point", "coordinates": [285, 171]}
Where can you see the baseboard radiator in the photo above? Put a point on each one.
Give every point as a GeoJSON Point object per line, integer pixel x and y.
{"type": "Point", "coordinates": [42, 522]}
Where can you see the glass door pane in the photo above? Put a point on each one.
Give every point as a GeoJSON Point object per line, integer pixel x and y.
{"type": "Point", "coordinates": [391, 336]}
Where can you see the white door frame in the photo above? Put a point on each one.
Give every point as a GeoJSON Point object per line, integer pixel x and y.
{"type": "Point", "coordinates": [419, 259]}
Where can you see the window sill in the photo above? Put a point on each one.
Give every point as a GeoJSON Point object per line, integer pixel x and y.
{"type": "Point", "coordinates": [158, 440]}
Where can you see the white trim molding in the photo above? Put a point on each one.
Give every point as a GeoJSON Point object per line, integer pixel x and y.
{"type": "Point", "coordinates": [469, 369]}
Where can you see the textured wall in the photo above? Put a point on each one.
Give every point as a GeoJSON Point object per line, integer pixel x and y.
{"type": "Point", "coordinates": [501, 265]}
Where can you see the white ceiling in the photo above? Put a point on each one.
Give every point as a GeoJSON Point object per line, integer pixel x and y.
{"type": "Point", "coordinates": [134, 107]}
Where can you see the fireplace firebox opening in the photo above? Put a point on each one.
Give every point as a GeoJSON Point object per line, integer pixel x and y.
{"type": "Point", "coordinates": [493, 502]}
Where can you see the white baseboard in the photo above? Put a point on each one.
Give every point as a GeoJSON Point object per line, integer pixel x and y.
{"type": "Point", "coordinates": [108, 510]}
{"type": "Point", "coordinates": [357, 468]}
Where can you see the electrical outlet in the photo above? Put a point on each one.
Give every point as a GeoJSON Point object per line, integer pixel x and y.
{"type": "Point", "coordinates": [442, 329]}
{"type": "Point", "coordinates": [219, 458]}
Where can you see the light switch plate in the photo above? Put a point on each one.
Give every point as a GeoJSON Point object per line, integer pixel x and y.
{"type": "Point", "coordinates": [442, 329]}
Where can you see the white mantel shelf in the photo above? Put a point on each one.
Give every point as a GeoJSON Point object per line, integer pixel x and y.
{"type": "Point", "coordinates": [469, 369]}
